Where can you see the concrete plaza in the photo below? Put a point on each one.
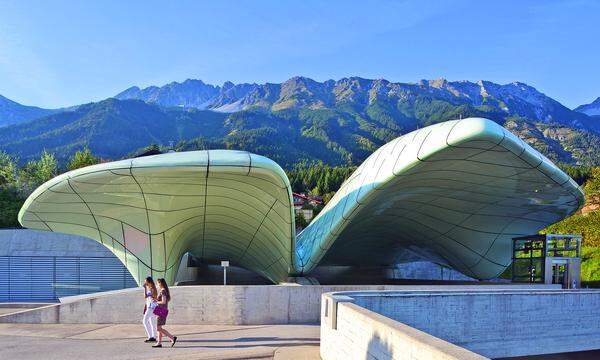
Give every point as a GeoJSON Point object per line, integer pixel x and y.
{"type": "Point", "coordinates": [125, 341]}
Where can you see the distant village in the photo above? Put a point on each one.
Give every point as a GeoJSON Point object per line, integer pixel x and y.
{"type": "Point", "coordinates": [306, 206]}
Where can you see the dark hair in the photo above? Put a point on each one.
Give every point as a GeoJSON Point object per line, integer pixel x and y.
{"type": "Point", "coordinates": [150, 281]}
{"type": "Point", "coordinates": [163, 285]}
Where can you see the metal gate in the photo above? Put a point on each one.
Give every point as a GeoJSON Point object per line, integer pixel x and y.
{"type": "Point", "coordinates": [46, 278]}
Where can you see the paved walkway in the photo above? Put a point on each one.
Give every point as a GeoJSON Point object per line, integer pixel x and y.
{"type": "Point", "coordinates": [83, 341]}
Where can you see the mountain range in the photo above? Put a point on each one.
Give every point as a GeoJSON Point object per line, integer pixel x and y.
{"type": "Point", "coordinates": [299, 120]}
{"type": "Point", "coordinates": [12, 112]}
{"type": "Point", "coordinates": [515, 98]}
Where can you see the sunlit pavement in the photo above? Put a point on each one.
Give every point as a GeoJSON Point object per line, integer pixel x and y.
{"type": "Point", "coordinates": [89, 341]}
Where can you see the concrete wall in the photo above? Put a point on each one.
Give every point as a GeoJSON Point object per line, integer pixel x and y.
{"type": "Point", "coordinates": [392, 275]}
{"type": "Point", "coordinates": [248, 305]}
{"type": "Point", "coordinates": [500, 323]}
{"type": "Point", "coordinates": [425, 270]}
{"type": "Point", "coordinates": [363, 334]}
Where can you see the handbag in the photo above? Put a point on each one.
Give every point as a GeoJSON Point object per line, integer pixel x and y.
{"type": "Point", "coordinates": [161, 311]}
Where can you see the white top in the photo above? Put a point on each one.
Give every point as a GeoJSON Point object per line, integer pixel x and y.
{"type": "Point", "coordinates": [148, 297]}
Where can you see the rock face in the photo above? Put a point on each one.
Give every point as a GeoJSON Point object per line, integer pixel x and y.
{"type": "Point", "coordinates": [591, 109]}
{"type": "Point", "coordinates": [516, 98]}
{"type": "Point", "coordinates": [14, 113]}
{"type": "Point", "coordinates": [592, 203]}
{"type": "Point", "coordinates": [190, 93]}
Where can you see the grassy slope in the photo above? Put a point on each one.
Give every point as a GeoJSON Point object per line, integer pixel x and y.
{"type": "Point", "coordinates": [588, 225]}
{"type": "Point", "coordinates": [590, 266]}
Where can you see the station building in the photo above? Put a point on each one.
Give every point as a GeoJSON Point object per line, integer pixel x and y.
{"type": "Point", "coordinates": [454, 194]}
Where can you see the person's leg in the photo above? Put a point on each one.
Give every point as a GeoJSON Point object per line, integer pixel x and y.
{"type": "Point", "coordinates": [167, 333]}
{"type": "Point", "coordinates": [160, 334]}
{"type": "Point", "coordinates": [146, 320]}
{"type": "Point", "coordinates": [152, 323]}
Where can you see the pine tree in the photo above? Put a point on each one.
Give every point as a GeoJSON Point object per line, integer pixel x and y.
{"type": "Point", "coordinates": [82, 158]}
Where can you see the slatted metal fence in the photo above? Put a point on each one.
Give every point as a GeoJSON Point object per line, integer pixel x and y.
{"type": "Point", "coordinates": [46, 278]}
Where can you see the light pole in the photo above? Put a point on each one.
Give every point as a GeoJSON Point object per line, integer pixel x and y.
{"type": "Point", "coordinates": [224, 264]}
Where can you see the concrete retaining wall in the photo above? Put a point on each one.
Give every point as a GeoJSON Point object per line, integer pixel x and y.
{"type": "Point", "coordinates": [502, 323]}
{"type": "Point", "coordinates": [363, 334]}
{"type": "Point", "coordinates": [237, 305]}
{"type": "Point", "coordinates": [424, 270]}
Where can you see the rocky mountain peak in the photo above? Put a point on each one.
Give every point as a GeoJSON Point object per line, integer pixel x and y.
{"type": "Point", "coordinates": [438, 83]}
{"type": "Point", "coordinates": [227, 85]}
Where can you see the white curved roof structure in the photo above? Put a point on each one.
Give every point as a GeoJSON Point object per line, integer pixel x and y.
{"type": "Point", "coordinates": [454, 193]}
{"type": "Point", "coordinates": [149, 211]}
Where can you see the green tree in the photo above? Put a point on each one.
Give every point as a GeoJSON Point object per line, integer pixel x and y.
{"type": "Point", "coordinates": [37, 172]}
{"type": "Point", "coordinates": [8, 170]}
{"type": "Point", "coordinates": [82, 158]}
{"type": "Point", "coordinates": [10, 204]}
{"type": "Point", "coordinates": [327, 197]}
{"type": "Point", "coordinates": [301, 221]}
{"type": "Point", "coordinates": [10, 199]}
{"type": "Point", "coordinates": [578, 173]}
{"type": "Point", "coordinates": [47, 167]}
{"type": "Point", "coordinates": [592, 185]}
{"type": "Point", "coordinates": [319, 179]}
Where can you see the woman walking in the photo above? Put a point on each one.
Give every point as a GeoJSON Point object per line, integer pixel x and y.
{"type": "Point", "coordinates": [150, 295]}
{"type": "Point", "coordinates": [161, 311]}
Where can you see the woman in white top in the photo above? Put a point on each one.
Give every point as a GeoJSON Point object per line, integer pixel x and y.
{"type": "Point", "coordinates": [148, 320]}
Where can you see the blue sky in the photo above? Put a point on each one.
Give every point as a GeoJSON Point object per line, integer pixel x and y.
{"type": "Point", "coordinates": [62, 53]}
